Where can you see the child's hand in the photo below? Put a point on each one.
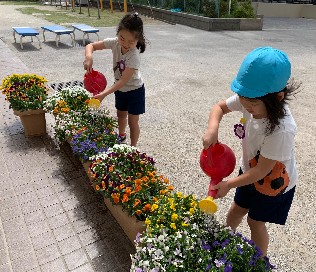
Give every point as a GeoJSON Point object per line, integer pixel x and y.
{"type": "Point", "coordinates": [100, 96]}
{"type": "Point", "coordinates": [209, 138]}
{"type": "Point", "coordinates": [222, 189]}
{"type": "Point", "coordinates": [87, 64]}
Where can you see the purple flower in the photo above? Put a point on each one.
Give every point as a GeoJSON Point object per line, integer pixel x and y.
{"type": "Point", "coordinates": [239, 250]}
{"type": "Point", "coordinates": [216, 243]}
{"type": "Point", "coordinates": [137, 239]}
{"type": "Point", "coordinates": [228, 267]}
{"type": "Point", "coordinates": [225, 243]}
{"type": "Point", "coordinates": [206, 246]}
{"type": "Point", "coordinates": [218, 263]}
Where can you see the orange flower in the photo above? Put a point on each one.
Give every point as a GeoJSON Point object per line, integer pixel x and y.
{"type": "Point", "coordinates": [147, 207]}
{"type": "Point", "coordinates": [111, 169]}
{"type": "Point", "coordinates": [97, 187]}
{"type": "Point", "coordinates": [137, 201]}
{"type": "Point", "coordinates": [138, 188]}
{"type": "Point", "coordinates": [145, 178]}
{"type": "Point", "coordinates": [138, 182]}
{"type": "Point", "coordinates": [122, 186]}
{"type": "Point", "coordinates": [128, 191]}
{"type": "Point", "coordinates": [138, 212]}
{"type": "Point", "coordinates": [116, 198]}
{"type": "Point", "coordinates": [125, 198]}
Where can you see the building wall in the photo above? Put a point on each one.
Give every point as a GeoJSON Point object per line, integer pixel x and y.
{"type": "Point", "coordinates": [285, 10]}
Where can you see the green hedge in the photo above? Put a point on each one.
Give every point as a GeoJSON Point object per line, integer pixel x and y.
{"type": "Point", "coordinates": [208, 8]}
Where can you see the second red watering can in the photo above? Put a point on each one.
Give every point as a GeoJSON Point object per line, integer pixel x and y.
{"type": "Point", "coordinates": [217, 162]}
{"type": "Point", "coordinates": [94, 82]}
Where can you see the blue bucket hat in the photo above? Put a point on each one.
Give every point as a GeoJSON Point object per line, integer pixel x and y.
{"type": "Point", "coordinates": [264, 70]}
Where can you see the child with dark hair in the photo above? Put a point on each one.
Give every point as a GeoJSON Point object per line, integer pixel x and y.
{"type": "Point", "coordinates": [129, 86]}
{"type": "Point", "coordinates": [268, 174]}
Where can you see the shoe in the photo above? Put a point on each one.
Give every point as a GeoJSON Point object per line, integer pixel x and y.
{"type": "Point", "coordinates": [122, 138]}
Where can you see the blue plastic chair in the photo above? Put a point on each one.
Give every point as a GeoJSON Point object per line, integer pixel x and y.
{"type": "Point", "coordinates": [58, 30]}
{"type": "Point", "coordinates": [86, 29]}
{"type": "Point", "coordinates": [26, 32]}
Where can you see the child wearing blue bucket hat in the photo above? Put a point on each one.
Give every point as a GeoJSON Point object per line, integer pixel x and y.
{"type": "Point", "coordinates": [266, 184]}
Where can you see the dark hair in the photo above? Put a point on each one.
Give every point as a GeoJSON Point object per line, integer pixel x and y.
{"type": "Point", "coordinates": [275, 105]}
{"type": "Point", "coordinates": [133, 23]}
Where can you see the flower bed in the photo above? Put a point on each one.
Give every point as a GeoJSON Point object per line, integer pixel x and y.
{"type": "Point", "coordinates": [177, 236]}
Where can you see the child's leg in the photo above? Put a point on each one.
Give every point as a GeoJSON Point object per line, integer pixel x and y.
{"type": "Point", "coordinates": [134, 128]}
{"type": "Point", "coordinates": [122, 121]}
{"type": "Point", "coordinates": [259, 234]}
{"type": "Point", "coordinates": [235, 215]}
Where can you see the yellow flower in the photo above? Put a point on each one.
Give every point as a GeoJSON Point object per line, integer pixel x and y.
{"type": "Point", "coordinates": [154, 207]}
{"type": "Point", "coordinates": [147, 221]}
{"type": "Point", "coordinates": [179, 194]}
{"type": "Point", "coordinates": [174, 217]}
{"type": "Point", "coordinates": [173, 226]}
{"type": "Point", "coordinates": [184, 224]}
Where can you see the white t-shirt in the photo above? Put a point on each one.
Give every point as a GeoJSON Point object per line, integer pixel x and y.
{"type": "Point", "coordinates": [279, 146]}
{"type": "Point", "coordinates": [131, 60]}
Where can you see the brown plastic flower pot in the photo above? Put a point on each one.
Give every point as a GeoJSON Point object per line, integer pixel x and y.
{"type": "Point", "coordinates": [33, 121]}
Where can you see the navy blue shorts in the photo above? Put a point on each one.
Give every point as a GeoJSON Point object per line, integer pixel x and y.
{"type": "Point", "coordinates": [132, 101]}
{"type": "Point", "coordinates": [272, 209]}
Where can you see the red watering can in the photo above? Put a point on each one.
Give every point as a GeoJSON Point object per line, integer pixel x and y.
{"type": "Point", "coordinates": [217, 162]}
{"type": "Point", "coordinates": [94, 82]}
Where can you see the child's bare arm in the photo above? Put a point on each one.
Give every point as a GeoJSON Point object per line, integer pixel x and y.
{"type": "Point", "coordinates": [89, 49]}
{"type": "Point", "coordinates": [210, 137]}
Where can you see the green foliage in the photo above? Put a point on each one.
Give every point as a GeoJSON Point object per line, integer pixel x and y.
{"type": "Point", "coordinates": [244, 10]}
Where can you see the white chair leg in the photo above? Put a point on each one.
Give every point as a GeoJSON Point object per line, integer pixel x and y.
{"type": "Point", "coordinates": [21, 42]}
{"type": "Point", "coordinates": [40, 45]}
{"type": "Point", "coordinates": [83, 39]}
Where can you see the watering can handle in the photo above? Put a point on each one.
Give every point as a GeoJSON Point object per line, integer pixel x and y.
{"type": "Point", "coordinates": [213, 181]}
{"type": "Point", "coordinates": [209, 152]}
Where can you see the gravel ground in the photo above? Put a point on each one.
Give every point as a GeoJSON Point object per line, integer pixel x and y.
{"type": "Point", "coordinates": [185, 72]}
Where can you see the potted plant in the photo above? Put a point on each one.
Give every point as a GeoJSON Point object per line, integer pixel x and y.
{"type": "Point", "coordinates": [26, 94]}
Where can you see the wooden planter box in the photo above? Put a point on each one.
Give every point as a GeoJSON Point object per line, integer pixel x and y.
{"type": "Point", "coordinates": [128, 223]}
{"type": "Point", "coordinates": [33, 121]}
{"type": "Point", "coordinates": [86, 165]}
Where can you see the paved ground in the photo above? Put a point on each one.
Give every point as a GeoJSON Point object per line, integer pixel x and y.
{"type": "Point", "coordinates": [50, 221]}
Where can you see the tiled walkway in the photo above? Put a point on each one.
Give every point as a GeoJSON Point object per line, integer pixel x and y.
{"type": "Point", "coordinates": [50, 220]}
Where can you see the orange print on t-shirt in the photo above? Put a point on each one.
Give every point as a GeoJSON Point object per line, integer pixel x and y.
{"type": "Point", "coordinates": [275, 182]}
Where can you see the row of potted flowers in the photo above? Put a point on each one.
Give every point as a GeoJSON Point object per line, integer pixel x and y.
{"type": "Point", "coordinates": [178, 236]}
